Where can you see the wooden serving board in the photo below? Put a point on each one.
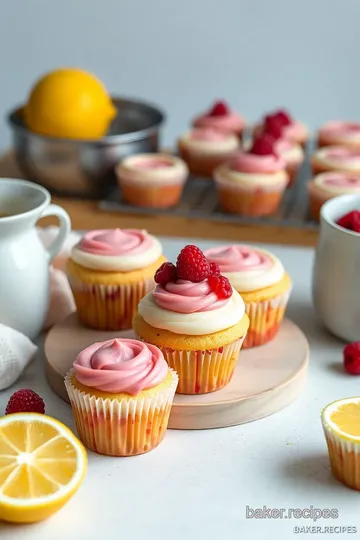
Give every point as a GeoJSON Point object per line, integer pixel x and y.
{"type": "Point", "coordinates": [266, 379]}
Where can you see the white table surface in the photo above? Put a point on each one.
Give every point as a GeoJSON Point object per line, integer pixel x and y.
{"type": "Point", "coordinates": [198, 484]}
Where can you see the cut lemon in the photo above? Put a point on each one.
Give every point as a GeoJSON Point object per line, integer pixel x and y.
{"type": "Point", "coordinates": [42, 464]}
{"type": "Point", "coordinates": [342, 417]}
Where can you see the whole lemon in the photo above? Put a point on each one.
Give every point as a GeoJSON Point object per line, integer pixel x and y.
{"type": "Point", "coordinates": [69, 103]}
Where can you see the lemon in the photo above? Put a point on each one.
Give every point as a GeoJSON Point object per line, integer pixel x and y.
{"type": "Point", "coordinates": [342, 418]}
{"type": "Point", "coordinates": [69, 103]}
{"type": "Point", "coordinates": [42, 464]}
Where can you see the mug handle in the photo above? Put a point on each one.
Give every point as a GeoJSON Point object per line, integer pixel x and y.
{"type": "Point", "coordinates": [64, 228]}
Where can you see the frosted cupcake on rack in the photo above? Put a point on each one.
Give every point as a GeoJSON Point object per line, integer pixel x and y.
{"type": "Point", "coordinates": [292, 129]}
{"type": "Point", "coordinates": [336, 158]}
{"type": "Point", "coordinates": [121, 392]}
{"type": "Point", "coordinates": [340, 133]}
{"type": "Point", "coordinates": [197, 320]}
{"type": "Point", "coordinates": [253, 183]}
{"type": "Point", "coordinates": [109, 272]}
{"type": "Point", "coordinates": [152, 180]}
{"type": "Point", "coordinates": [327, 185]}
{"type": "Point", "coordinates": [221, 116]}
{"type": "Point", "coordinates": [259, 277]}
{"type": "Point", "coordinates": [204, 149]}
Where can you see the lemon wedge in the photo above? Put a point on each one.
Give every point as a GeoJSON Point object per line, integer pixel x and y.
{"type": "Point", "coordinates": [42, 464]}
{"type": "Point", "coordinates": [342, 418]}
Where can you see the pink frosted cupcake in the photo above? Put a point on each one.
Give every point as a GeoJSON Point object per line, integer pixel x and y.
{"type": "Point", "coordinates": [336, 158]}
{"type": "Point", "coordinates": [204, 149]}
{"type": "Point", "coordinates": [220, 116]}
{"type": "Point", "coordinates": [291, 129]}
{"type": "Point", "coordinates": [252, 184]}
{"type": "Point", "coordinates": [340, 134]}
{"type": "Point", "coordinates": [152, 180]}
{"type": "Point", "coordinates": [121, 392]}
{"type": "Point", "coordinates": [109, 272]}
{"type": "Point", "coordinates": [259, 277]}
{"type": "Point", "coordinates": [327, 185]}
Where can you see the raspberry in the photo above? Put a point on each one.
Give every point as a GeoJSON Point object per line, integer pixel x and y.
{"type": "Point", "coordinates": [219, 109]}
{"type": "Point", "coordinates": [192, 264]}
{"type": "Point", "coordinates": [214, 269]}
{"type": "Point", "coordinates": [282, 117]}
{"type": "Point", "coordinates": [165, 273]}
{"type": "Point", "coordinates": [273, 127]}
{"type": "Point", "coordinates": [352, 358]}
{"type": "Point", "coordinates": [350, 221]}
{"type": "Point", "coordinates": [25, 400]}
{"type": "Point", "coordinates": [263, 145]}
{"type": "Point", "coordinates": [220, 285]}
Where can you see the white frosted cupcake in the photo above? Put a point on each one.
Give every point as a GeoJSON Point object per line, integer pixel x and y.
{"type": "Point", "coordinates": [325, 186]}
{"type": "Point", "coordinates": [259, 277]}
{"type": "Point", "coordinates": [336, 158]}
{"type": "Point", "coordinates": [340, 133]}
{"type": "Point", "coordinates": [152, 180]}
{"type": "Point", "coordinates": [204, 149]}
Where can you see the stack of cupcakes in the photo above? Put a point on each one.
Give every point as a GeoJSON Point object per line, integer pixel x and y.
{"type": "Point", "coordinates": [335, 164]}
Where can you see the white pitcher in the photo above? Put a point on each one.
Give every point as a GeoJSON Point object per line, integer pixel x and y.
{"type": "Point", "coordinates": [24, 262]}
{"type": "Point", "coordinates": [336, 274]}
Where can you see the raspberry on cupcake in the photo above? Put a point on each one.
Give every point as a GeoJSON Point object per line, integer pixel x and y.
{"type": "Point", "coordinates": [221, 116]}
{"type": "Point", "coordinates": [197, 320]}
{"type": "Point", "coordinates": [253, 183]}
{"type": "Point", "coordinates": [325, 186]}
{"type": "Point", "coordinates": [204, 149]}
{"type": "Point", "coordinates": [340, 133]}
{"type": "Point", "coordinates": [152, 180]}
{"type": "Point", "coordinates": [291, 129]}
{"type": "Point", "coordinates": [336, 158]}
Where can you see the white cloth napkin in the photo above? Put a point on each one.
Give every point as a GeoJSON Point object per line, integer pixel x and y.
{"type": "Point", "coordinates": [16, 350]}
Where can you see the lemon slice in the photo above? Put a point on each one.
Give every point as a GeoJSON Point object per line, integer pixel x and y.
{"type": "Point", "coordinates": [342, 418]}
{"type": "Point", "coordinates": [42, 464]}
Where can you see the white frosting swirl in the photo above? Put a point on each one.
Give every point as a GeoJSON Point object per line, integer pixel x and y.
{"type": "Point", "coordinates": [338, 157]}
{"type": "Point", "coordinates": [247, 268]}
{"type": "Point", "coordinates": [337, 182]}
{"type": "Point", "coordinates": [158, 169]}
{"type": "Point", "coordinates": [269, 181]}
{"type": "Point", "coordinates": [218, 145]}
{"type": "Point", "coordinates": [192, 324]}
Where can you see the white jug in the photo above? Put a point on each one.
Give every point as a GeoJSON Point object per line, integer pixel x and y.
{"type": "Point", "coordinates": [336, 273]}
{"type": "Point", "coordinates": [24, 262]}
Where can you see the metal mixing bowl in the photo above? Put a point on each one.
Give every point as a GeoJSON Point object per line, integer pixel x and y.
{"type": "Point", "coordinates": [86, 168]}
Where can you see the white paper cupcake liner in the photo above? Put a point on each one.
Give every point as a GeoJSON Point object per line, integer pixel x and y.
{"type": "Point", "coordinates": [124, 427]}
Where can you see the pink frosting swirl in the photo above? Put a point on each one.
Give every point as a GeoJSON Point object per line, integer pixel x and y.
{"type": "Point", "coordinates": [340, 129]}
{"type": "Point", "coordinates": [187, 297]}
{"type": "Point", "coordinates": [153, 162]}
{"type": "Point", "coordinates": [342, 154]}
{"type": "Point", "coordinates": [246, 162]}
{"type": "Point", "coordinates": [238, 258]}
{"type": "Point", "coordinates": [231, 121]}
{"type": "Point", "coordinates": [340, 179]}
{"type": "Point", "coordinates": [294, 131]}
{"type": "Point", "coordinates": [208, 134]}
{"type": "Point", "coordinates": [121, 365]}
{"type": "Point", "coordinates": [116, 242]}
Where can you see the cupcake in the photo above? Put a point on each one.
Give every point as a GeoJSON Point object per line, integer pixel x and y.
{"type": "Point", "coordinates": [121, 392]}
{"type": "Point", "coordinates": [260, 279]}
{"type": "Point", "coordinates": [220, 116]}
{"type": "Point", "coordinates": [293, 130]}
{"type": "Point", "coordinates": [325, 186]}
{"type": "Point", "coordinates": [204, 149]}
{"type": "Point", "coordinates": [109, 271]}
{"type": "Point", "coordinates": [253, 183]}
{"type": "Point", "coordinates": [340, 134]}
{"type": "Point", "coordinates": [336, 158]}
{"type": "Point", "coordinates": [152, 180]}
{"type": "Point", "coordinates": [197, 320]}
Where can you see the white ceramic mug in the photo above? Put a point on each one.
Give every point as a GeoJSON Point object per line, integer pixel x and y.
{"type": "Point", "coordinates": [336, 273]}
{"type": "Point", "coordinates": [24, 262]}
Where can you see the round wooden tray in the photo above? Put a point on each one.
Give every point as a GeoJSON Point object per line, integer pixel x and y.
{"type": "Point", "coordinates": [266, 378]}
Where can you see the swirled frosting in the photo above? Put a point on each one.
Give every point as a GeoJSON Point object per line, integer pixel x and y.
{"type": "Point", "coordinates": [232, 122]}
{"type": "Point", "coordinates": [190, 310]}
{"type": "Point", "coordinates": [247, 268]}
{"type": "Point", "coordinates": [245, 162]}
{"type": "Point", "coordinates": [338, 157]}
{"type": "Point", "coordinates": [158, 169]}
{"type": "Point", "coordinates": [334, 132]}
{"type": "Point", "coordinates": [121, 365]}
{"type": "Point", "coordinates": [209, 141]}
{"type": "Point", "coordinates": [296, 132]}
{"type": "Point", "coordinates": [337, 182]}
{"type": "Point", "coordinates": [291, 152]}
{"type": "Point", "coordinates": [226, 175]}
{"type": "Point", "coordinates": [121, 250]}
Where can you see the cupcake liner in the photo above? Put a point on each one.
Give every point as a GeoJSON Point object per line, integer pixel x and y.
{"type": "Point", "coordinates": [344, 458]}
{"type": "Point", "coordinates": [265, 319]}
{"type": "Point", "coordinates": [153, 196]}
{"type": "Point", "coordinates": [203, 371]}
{"type": "Point", "coordinates": [108, 307]}
{"type": "Point", "coordinates": [125, 427]}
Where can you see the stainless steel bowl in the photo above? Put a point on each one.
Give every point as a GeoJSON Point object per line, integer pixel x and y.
{"type": "Point", "coordinates": [86, 168]}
